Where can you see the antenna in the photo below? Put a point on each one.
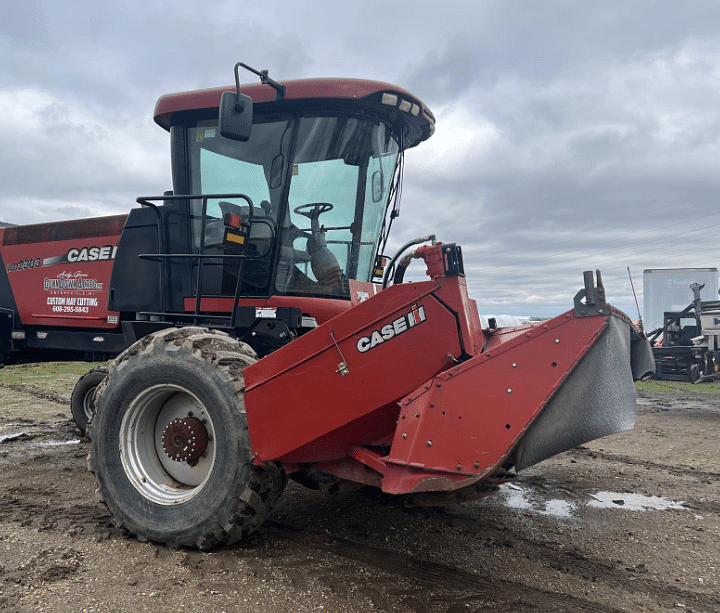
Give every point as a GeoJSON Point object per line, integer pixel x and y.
{"type": "Point", "coordinates": [636, 300]}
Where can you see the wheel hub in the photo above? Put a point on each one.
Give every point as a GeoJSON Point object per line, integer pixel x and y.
{"type": "Point", "coordinates": [185, 439]}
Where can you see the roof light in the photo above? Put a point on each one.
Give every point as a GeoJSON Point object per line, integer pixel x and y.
{"type": "Point", "coordinates": [389, 99]}
{"type": "Point", "coordinates": [415, 110]}
{"type": "Point", "coordinates": [405, 106]}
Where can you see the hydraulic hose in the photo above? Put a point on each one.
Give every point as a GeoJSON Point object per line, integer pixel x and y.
{"type": "Point", "coordinates": [402, 266]}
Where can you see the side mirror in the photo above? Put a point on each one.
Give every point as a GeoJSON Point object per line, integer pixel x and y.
{"type": "Point", "coordinates": [236, 113]}
{"type": "Point", "coordinates": [236, 109]}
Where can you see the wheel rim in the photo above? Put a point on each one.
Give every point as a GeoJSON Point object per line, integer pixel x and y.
{"type": "Point", "coordinates": [88, 405]}
{"type": "Point", "coordinates": [158, 416]}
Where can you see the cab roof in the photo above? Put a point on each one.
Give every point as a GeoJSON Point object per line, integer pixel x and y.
{"type": "Point", "coordinates": [388, 101]}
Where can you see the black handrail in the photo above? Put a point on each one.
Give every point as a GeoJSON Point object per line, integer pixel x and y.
{"type": "Point", "coordinates": [162, 257]}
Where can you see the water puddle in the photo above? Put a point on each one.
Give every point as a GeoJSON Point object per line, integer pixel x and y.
{"type": "Point", "coordinates": [517, 497]}
{"type": "Point", "coordinates": [523, 499]}
{"type": "Point", "coordinates": [645, 402]}
{"type": "Point", "coordinates": [558, 508]}
{"type": "Point", "coordinates": [36, 435]}
{"type": "Point", "coordinates": [58, 443]}
{"type": "Point", "coordinates": [14, 436]}
{"type": "Point", "coordinates": [633, 502]}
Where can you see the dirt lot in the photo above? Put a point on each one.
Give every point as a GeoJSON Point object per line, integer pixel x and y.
{"type": "Point", "coordinates": [627, 523]}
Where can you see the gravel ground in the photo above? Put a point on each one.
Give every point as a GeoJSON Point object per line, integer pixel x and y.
{"type": "Point", "coordinates": [627, 523]}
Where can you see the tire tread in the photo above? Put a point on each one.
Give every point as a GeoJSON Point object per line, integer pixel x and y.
{"type": "Point", "coordinates": [243, 512]}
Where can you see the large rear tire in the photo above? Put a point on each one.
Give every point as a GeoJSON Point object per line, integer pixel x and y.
{"type": "Point", "coordinates": [170, 447]}
{"type": "Point", "coordinates": [82, 404]}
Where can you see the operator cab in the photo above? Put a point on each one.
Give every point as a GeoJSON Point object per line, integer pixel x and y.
{"type": "Point", "coordinates": [316, 189]}
{"type": "Point", "coordinates": [312, 188]}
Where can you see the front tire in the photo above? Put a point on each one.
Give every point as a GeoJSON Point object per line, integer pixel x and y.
{"type": "Point", "coordinates": [82, 404]}
{"type": "Point", "coordinates": [170, 446]}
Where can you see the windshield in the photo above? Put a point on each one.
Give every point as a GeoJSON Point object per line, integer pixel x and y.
{"type": "Point", "coordinates": [341, 177]}
{"type": "Point", "coordinates": [316, 207]}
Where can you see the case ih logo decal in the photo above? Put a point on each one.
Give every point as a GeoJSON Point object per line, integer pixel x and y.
{"type": "Point", "coordinates": [83, 254]}
{"type": "Point", "coordinates": [389, 331]}
{"type": "Point", "coordinates": [92, 254]}
{"type": "Point", "coordinates": [76, 254]}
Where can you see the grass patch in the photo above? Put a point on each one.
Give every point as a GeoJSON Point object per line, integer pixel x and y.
{"type": "Point", "coordinates": [57, 377]}
{"type": "Point", "coordinates": [674, 387]}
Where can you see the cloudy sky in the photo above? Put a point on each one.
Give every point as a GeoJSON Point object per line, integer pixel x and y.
{"type": "Point", "coordinates": [571, 135]}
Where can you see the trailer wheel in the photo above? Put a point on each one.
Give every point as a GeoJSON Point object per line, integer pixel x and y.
{"type": "Point", "coordinates": [170, 447]}
{"type": "Point", "coordinates": [82, 403]}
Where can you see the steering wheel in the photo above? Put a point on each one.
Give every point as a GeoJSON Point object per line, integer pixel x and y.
{"type": "Point", "coordinates": [318, 208]}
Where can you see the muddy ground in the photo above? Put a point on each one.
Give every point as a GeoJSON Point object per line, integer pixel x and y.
{"type": "Point", "coordinates": [627, 523]}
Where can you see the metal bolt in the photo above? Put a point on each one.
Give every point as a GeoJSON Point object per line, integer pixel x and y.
{"type": "Point", "coordinates": [509, 391]}
{"type": "Point", "coordinates": [514, 364]}
{"type": "Point", "coordinates": [477, 465]}
{"type": "Point", "coordinates": [429, 443]}
{"type": "Point", "coordinates": [432, 405]}
{"type": "Point", "coordinates": [557, 341]}
{"type": "Point", "coordinates": [404, 434]}
{"type": "Point", "coordinates": [459, 467]}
